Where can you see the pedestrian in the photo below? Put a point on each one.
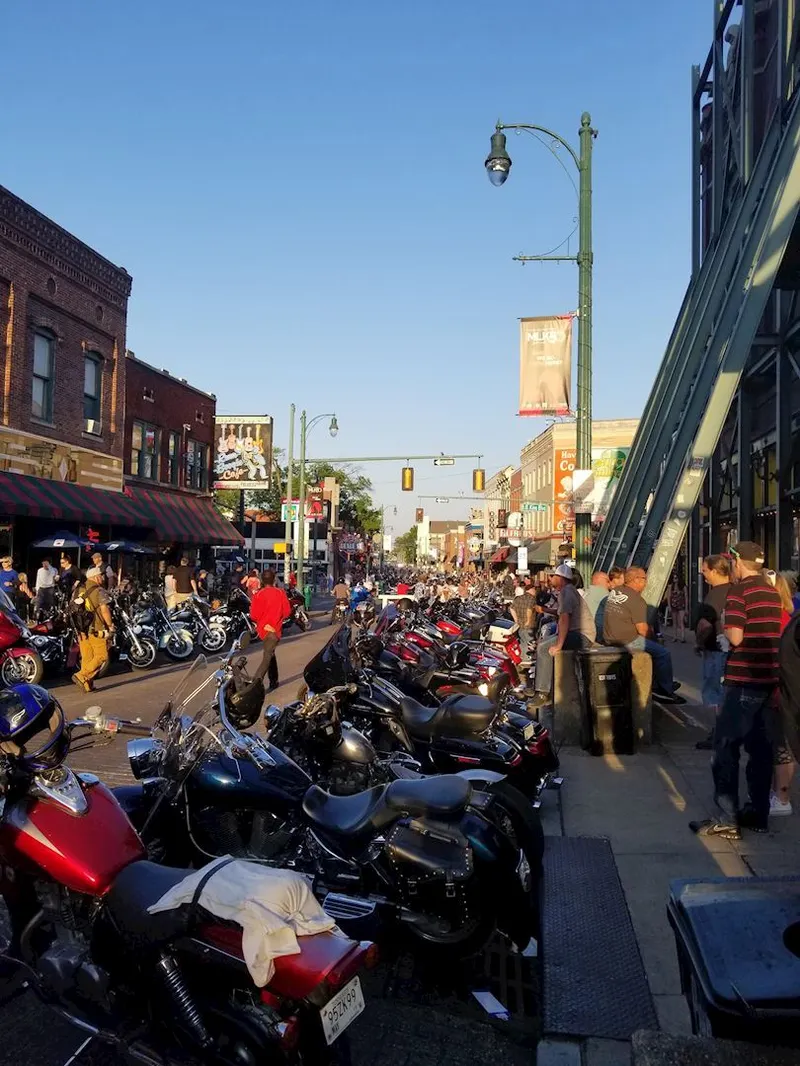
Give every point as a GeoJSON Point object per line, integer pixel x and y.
{"type": "Point", "coordinates": [68, 576]}
{"type": "Point", "coordinates": [185, 583]}
{"type": "Point", "coordinates": [783, 760]}
{"type": "Point", "coordinates": [24, 598]}
{"type": "Point", "coordinates": [46, 578]}
{"type": "Point", "coordinates": [788, 746]}
{"type": "Point", "coordinates": [523, 611]}
{"type": "Point", "coordinates": [626, 625]}
{"type": "Point", "coordinates": [677, 607]}
{"type": "Point", "coordinates": [9, 578]}
{"type": "Point", "coordinates": [269, 610]}
{"type": "Point", "coordinates": [575, 630]}
{"type": "Point", "coordinates": [711, 642]}
{"type": "Point", "coordinates": [595, 597]}
{"type": "Point", "coordinates": [91, 615]}
{"type": "Point", "coordinates": [202, 584]}
{"type": "Point", "coordinates": [752, 625]}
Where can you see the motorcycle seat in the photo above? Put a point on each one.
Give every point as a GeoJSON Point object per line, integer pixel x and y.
{"type": "Point", "coordinates": [438, 796]}
{"type": "Point", "coordinates": [457, 716]}
{"type": "Point", "coordinates": [138, 887]}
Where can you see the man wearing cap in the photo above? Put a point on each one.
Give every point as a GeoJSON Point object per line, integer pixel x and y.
{"type": "Point", "coordinates": [752, 625]}
{"type": "Point", "coordinates": [93, 643]}
{"type": "Point", "coordinates": [576, 629]}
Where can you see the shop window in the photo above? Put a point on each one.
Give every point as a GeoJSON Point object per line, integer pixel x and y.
{"type": "Point", "coordinates": [92, 391]}
{"type": "Point", "coordinates": [144, 450]}
{"type": "Point", "coordinates": [43, 366]}
{"type": "Point", "coordinates": [174, 458]}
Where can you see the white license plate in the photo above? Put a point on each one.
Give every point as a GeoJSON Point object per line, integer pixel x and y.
{"type": "Point", "coordinates": [529, 730]}
{"type": "Point", "coordinates": [340, 1011]}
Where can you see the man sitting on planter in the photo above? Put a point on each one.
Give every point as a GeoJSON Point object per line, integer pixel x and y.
{"type": "Point", "coordinates": [576, 630]}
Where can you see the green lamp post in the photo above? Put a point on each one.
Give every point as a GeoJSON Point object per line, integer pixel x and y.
{"type": "Point", "coordinates": [305, 428]}
{"type": "Point", "coordinates": [498, 166]}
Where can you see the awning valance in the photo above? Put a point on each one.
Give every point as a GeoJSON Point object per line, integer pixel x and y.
{"type": "Point", "coordinates": [38, 497]}
{"type": "Point", "coordinates": [501, 554]}
{"type": "Point", "coordinates": [186, 519]}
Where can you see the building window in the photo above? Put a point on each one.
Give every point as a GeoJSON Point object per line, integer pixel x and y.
{"type": "Point", "coordinates": [174, 458]}
{"type": "Point", "coordinates": [144, 451]}
{"type": "Point", "coordinates": [42, 394]}
{"type": "Point", "coordinates": [92, 390]}
{"type": "Point", "coordinates": [196, 465]}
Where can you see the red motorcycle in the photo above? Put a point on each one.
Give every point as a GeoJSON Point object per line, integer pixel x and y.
{"type": "Point", "coordinates": [19, 663]}
{"type": "Point", "coordinates": [166, 988]}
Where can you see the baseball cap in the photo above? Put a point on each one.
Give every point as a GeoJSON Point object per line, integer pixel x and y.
{"type": "Point", "coordinates": [519, 591]}
{"type": "Point", "coordinates": [94, 571]}
{"type": "Point", "coordinates": [749, 551]}
{"type": "Point", "coordinates": [565, 571]}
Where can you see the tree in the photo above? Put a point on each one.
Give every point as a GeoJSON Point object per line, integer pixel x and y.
{"type": "Point", "coordinates": [406, 546]}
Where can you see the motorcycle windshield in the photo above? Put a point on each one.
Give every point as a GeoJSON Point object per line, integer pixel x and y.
{"type": "Point", "coordinates": [332, 665]}
{"type": "Point", "coordinates": [8, 609]}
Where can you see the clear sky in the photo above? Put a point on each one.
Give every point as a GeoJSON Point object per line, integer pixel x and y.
{"type": "Point", "coordinates": [298, 191]}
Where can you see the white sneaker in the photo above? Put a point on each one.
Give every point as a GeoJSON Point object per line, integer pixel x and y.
{"type": "Point", "coordinates": [777, 807]}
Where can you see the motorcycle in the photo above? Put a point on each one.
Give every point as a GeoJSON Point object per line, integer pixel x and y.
{"type": "Point", "coordinates": [194, 614]}
{"type": "Point", "coordinates": [415, 854]}
{"type": "Point", "coordinates": [153, 618]}
{"type": "Point", "coordinates": [299, 616]}
{"type": "Point", "coordinates": [19, 661]}
{"type": "Point", "coordinates": [167, 988]}
{"type": "Point", "coordinates": [233, 616]}
{"type": "Point", "coordinates": [339, 612]}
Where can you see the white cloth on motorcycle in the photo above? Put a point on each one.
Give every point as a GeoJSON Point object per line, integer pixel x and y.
{"type": "Point", "coordinates": [273, 907]}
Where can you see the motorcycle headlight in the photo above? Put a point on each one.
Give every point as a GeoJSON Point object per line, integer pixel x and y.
{"type": "Point", "coordinates": [39, 641]}
{"type": "Point", "coordinates": [483, 688]}
{"type": "Point", "coordinates": [144, 756]}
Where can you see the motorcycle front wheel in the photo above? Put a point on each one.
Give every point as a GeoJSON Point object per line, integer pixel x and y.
{"type": "Point", "coordinates": [144, 658]}
{"type": "Point", "coordinates": [303, 622]}
{"type": "Point", "coordinates": [213, 639]}
{"type": "Point", "coordinates": [25, 669]}
{"type": "Point", "coordinates": [178, 647]}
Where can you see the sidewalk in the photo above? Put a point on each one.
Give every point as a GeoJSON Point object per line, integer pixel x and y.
{"type": "Point", "coordinates": [642, 804]}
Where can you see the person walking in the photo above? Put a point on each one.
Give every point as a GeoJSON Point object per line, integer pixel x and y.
{"type": "Point", "coordinates": [780, 803]}
{"type": "Point", "coordinates": [677, 607]}
{"type": "Point", "coordinates": [46, 578]}
{"type": "Point", "coordinates": [269, 610]}
{"type": "Point", "coordinates": [91, 613]}
{"type": "Point", "coordinates": [752, 625]}
{"type": "Point", "coordinates": [68, 577]}
{"type": "Point", "coordinates": [185, 582]}
{"type": "Point", "coordinates": [523, 611]}
{"type": "Point", "coordinates": [711, 642]}
{"type": "Point", "coordinates": [575, 630]}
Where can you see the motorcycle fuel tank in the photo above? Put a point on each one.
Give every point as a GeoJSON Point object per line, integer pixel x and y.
{"type": "Point", "coordinates": [83, 851]}
{"type": "Point", "coordinates": [238, 783]}
{"type": "Point", "coordinates": [354, 747]}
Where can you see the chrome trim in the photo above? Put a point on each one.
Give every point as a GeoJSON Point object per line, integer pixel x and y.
{"type": "Point", "coordinates": [61, 786]}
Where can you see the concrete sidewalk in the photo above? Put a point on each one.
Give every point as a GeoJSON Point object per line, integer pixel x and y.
{"type": "Point", "coordinates": [643, 804]}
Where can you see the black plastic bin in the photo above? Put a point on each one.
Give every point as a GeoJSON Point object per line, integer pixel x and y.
{"type": "Point", "coordinates": [604, 680]}
{"type": "Point", "coordinates": [738, 943]}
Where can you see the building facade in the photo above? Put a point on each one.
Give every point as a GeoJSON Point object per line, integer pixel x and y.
{"type": "Point", "coordinates": [496, 507]}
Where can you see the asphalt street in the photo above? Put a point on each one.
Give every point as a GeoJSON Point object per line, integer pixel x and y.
{"type": "Point", "coordinates": [414, 1015]}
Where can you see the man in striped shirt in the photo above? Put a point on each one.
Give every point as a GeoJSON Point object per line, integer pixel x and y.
{"type": "Point", "coordinates": [752, 625]}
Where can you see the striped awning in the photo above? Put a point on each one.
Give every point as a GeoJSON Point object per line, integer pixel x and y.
{"type": "Point", "coordinates": [185, 519]}
{"type": "Point", "coordinates": [39, 497]}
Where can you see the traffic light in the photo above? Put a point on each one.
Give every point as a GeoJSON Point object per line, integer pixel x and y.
{"type": "Point", "coordinates": [478, 480]}
{"type": "Point", "coordinates": [407, 479]}
{"type": "Point", "coordinates": [420, 515]}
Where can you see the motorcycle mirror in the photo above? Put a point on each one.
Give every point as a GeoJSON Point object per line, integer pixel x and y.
{"type": "Point", "coordinates": [93, 714]}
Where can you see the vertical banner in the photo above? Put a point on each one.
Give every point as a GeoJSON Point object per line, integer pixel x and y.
{"type": "Point", "coordinates": [545, 365]}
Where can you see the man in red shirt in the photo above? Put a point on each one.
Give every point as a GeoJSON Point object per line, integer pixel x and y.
{"type": "Point", "coordinates": [269, 610]}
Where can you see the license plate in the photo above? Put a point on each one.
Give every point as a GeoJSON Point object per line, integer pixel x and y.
{"type": "Point", "coordinates": [340, 1011]}
{"type": "Point", "coordinates": [529, 731]}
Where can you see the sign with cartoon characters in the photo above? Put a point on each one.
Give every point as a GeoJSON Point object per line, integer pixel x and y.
{"type": "Point", "coordinates": [244, 452]}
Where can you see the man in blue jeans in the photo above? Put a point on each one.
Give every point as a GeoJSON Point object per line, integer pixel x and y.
{"type": "Point", "coordinates": [625, 625]}
{"type": "Point", "coordinates": [752, 626]}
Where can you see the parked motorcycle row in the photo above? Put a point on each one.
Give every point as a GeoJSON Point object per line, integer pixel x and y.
{"type": "Point", "coordinates": [143, 626]}
{"type": "Point", "coordinates": [400, 793]}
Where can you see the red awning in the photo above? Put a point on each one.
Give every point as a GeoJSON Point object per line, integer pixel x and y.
{"type": "Point", "coordinates": [501, 554]}
{"type": "Point", "coordinates": [186, 519]}
{"type": "Point", "coordinates": [39, 497]}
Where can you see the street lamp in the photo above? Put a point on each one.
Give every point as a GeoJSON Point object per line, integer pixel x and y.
{"type": "Point", "coordinates": [305, 428]}
{"type": "Point", "coordinates": [498, 166]}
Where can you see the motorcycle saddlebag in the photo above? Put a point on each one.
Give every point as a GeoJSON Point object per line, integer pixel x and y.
{"type": "Point", "coordinates": [425, 851]}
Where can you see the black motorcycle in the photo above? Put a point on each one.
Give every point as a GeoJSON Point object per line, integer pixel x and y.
{"type": "Point", "coordinates": [414, 854]}
{"type": "Point", "coordinates": [233, 615]}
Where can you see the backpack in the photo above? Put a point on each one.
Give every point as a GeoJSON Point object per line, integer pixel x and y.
{"type": "Point", "coordinates": [80, 609]}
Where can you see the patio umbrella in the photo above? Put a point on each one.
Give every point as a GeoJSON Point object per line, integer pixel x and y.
{"type": "Point", "coordinates": [127, 547]}
{"type": "Point", "coordinates": [62, 539]}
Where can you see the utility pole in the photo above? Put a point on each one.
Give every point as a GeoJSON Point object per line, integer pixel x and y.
{"type": "Point", "coordinates": [287, 559]}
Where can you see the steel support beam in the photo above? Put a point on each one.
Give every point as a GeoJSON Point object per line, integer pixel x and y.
{"type": "Point", "coordinates": [744, 500]}
{"type": "Point", "coordinates": [784, 520]}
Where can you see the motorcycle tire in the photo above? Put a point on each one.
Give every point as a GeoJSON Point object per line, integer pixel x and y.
{"type": "Point", "coordinates": [213, 639]}
{"type": "Point", "coordinates": [146, 658]}
{"type": "Point", "coordinates": [179, 649]}
{"type": "Point", "coordinates": [26, 669]}
{"type": "Point", "coordinates": [303, 621]}
{"type": "Point", "coordinates": [515, 815]}
{"type": "Point", "coordinates": [470, 939]}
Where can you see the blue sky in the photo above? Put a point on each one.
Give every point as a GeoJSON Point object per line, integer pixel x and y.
{"type": "Point", "coordinates": [298, 191]}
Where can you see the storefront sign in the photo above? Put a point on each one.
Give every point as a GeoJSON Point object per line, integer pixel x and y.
{"type": "Point", "coordinates": [593, 490]}
{"type": "Point", "coordinates": [562, 489]}
{"type": "Point", "coordinates": [244, 452]}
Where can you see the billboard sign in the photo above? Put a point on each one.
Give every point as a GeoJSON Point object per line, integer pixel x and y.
{"type": "Point", "coordinates": [593, 490]}
{"type": "Point", "coordinates": [243, 452]}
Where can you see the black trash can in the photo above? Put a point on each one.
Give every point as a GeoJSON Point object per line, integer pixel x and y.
{"type": "Point", "coordinates": [605, 682]}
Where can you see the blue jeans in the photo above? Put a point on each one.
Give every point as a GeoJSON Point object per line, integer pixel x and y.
{"type": "Point", "coordinates": [525, 637]}
{"type": "Point", "coordinates": [743, 722]}
{"type": "Point", "coordinates": [544, 660]}
{"type": "Point", "coordinates": [662, 662]}
{"type": "Point", "coordinates": [713, 669]}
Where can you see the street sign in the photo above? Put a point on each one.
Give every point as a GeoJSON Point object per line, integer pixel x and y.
{"type": "Point", "coordinates": [442, 499]}
{"type": "Point", "coordinates": [530, 506]}
{"type": "Point", "coordinates": [444, 461]}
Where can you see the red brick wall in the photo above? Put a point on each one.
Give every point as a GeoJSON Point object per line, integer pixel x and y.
{"type": "Point", "coordinates": [174, 404]}
{"type": "Point", "coordinates": [51, 281]}
{"type": "Point", "coordinates": [515, 491]}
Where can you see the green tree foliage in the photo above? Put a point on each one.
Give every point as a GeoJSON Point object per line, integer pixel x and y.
{"type": "Point", "coordinates": [406, 546]}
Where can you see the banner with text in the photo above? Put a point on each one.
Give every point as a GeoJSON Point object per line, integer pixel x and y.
{"type": "Point", "coordinates": [545, 365]}
{"type": "Point", "coordinates": [244, 452]}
